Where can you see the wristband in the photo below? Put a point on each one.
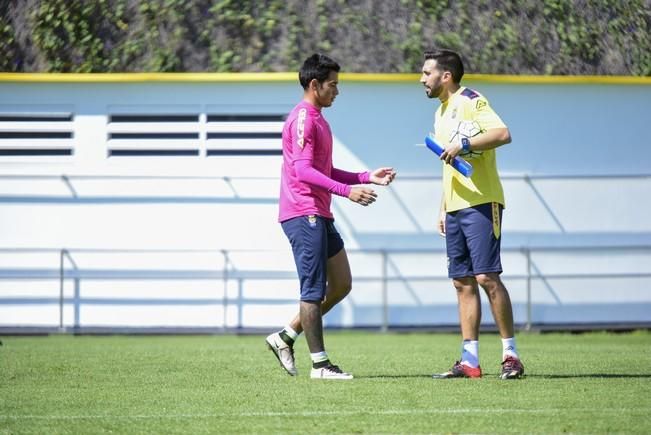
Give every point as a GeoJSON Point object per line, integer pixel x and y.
{"type": "Point", "coordinates": [465, 144]}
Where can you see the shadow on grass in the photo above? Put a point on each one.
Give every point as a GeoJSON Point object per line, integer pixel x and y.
{"type": "Point", "coordinates": [394, 376]}
{"type": "Point", "coordinates": [590, 375]}
{"type": "Point", "coordinates": [535, 375]}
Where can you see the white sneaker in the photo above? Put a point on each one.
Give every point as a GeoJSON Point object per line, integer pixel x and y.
{"type": "Point", "coordinates": [283, 351]}
{"type": "Point", "coordinates": [330, 372]}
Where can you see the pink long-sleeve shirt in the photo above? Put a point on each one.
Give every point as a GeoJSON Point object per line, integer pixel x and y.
{"type": "Point", "coordinates": [308, 179]}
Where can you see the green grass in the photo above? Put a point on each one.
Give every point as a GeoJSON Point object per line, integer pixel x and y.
{"type": "Point", "coordinates": [595, 382]}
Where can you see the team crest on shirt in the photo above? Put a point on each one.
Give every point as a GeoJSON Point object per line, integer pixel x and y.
{"type": "Point", "coordinates": [300, 130]}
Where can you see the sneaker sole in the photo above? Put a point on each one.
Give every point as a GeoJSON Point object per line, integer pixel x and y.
{"type": "Point", "coordinates": [454, 377]}
{"type": "Point", "coordinates": [271, 348]}
{"type": "Point", "coordinates": [332, 379]}
{"type": "Point", "coordinates": [509, 376]}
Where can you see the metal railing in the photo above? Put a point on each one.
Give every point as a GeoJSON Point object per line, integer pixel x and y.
{"type": "Point", "coordinates": [227, 272]}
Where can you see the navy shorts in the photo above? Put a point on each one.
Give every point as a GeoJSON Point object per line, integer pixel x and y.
{"type": "Point", "coordinates": [472, 239]}
{"type": "Point", "coordinates": [314, 239]}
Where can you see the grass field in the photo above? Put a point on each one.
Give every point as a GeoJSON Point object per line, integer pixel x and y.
{"type": "Point", "coordinates": [592, 383]}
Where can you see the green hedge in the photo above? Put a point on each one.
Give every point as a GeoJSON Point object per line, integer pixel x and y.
{"type": "Point", "coordinates": [515, 37]}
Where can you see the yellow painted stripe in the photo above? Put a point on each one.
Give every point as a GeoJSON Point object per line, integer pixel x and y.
{"type": "Point", "coordinates": [508, 79]}
{"type": "Point", "coordinates": [146, 77]}
{"type": "Point", "coordinates": [529, 79]}
{"type": "Point", "coordinates": [369, 77]}
{"type": "Point", "coordinates": [293, 77]}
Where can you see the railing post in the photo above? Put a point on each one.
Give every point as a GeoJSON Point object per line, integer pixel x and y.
{"type": "Point", "coordinates": [77, 299]}
{"type": "Point", "coordinates": [240, 302]}
{"type": "Point", "coordinates": [225, 300]}
{"type": "Point", "coordinates": [62, 254]}
{"type": "Point", "coordinates": [529, 309]}
{"type": "Point", "coordinates": [385, 292]}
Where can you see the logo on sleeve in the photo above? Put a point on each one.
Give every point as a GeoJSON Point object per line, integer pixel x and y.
{"type": "Point", "coordinates": [480, 104]}
{"type": "Point", "coordinates": [470, 93]}
{"type": "Point", "coordinates": [302, 114]}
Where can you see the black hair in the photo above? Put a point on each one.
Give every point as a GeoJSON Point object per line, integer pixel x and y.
{"type": "Point", "coordinates": [317, 66]}
{"type": "Point", "coordinates": [447, 60]}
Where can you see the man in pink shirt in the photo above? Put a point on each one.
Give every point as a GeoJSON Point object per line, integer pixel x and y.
{"type": "Point", "coordinates": [307, 183]}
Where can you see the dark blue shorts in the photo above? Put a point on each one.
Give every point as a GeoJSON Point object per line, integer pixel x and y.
{"type": "Point", "coordinates": [314, 239]}
{"type": "Point", "coordinates": [472, 239]}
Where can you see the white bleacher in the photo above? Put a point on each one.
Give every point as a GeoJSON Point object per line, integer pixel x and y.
{"type": "Point", "coordinates": [160, 202]}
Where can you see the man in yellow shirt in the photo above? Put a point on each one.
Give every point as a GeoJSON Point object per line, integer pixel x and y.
{"type": "Point", "coordinates": [471, 209]}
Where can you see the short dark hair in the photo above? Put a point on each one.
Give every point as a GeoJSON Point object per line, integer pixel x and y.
{"type": "Point", "coordinates": [447, 60]}
{"type": "Point", "coordinates": [317, 66]}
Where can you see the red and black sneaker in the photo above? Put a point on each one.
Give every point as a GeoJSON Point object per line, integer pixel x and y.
{"type": "Point", "coordinates": [459, 370]}
{"type": "Point", "coordinates": [512, 368]}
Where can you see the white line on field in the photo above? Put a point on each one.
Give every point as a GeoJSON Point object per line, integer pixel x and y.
{"type": "Point", "coordinates": [316, 413]}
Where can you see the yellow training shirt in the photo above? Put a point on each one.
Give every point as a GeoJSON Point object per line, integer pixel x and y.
{"type": "Point", "coordinates": [484, 186]}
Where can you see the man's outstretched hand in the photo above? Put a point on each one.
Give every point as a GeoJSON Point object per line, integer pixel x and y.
{"type": "Point", "coordinates": [362, 195]}
{"type": "Point", "coordinates": [382, 176]}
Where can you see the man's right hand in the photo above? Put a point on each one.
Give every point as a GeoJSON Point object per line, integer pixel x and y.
{"type": "Point", "coordinates": [362, 195]}
{"type": "Point", "coordinates": [441, 224]}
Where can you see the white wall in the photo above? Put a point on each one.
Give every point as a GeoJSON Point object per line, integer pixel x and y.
{"type": "Point", "coordinates": [575, 176]}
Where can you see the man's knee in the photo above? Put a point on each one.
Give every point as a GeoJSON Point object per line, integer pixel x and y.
{"type": "Point", "coordinates": [465, 285]}
{"type": "Point", "coordinates": [490, 282]}
{"type": "Point", "coordinates": [341, 288]}
{"type": "Point", "coordinates": [336, 292]}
